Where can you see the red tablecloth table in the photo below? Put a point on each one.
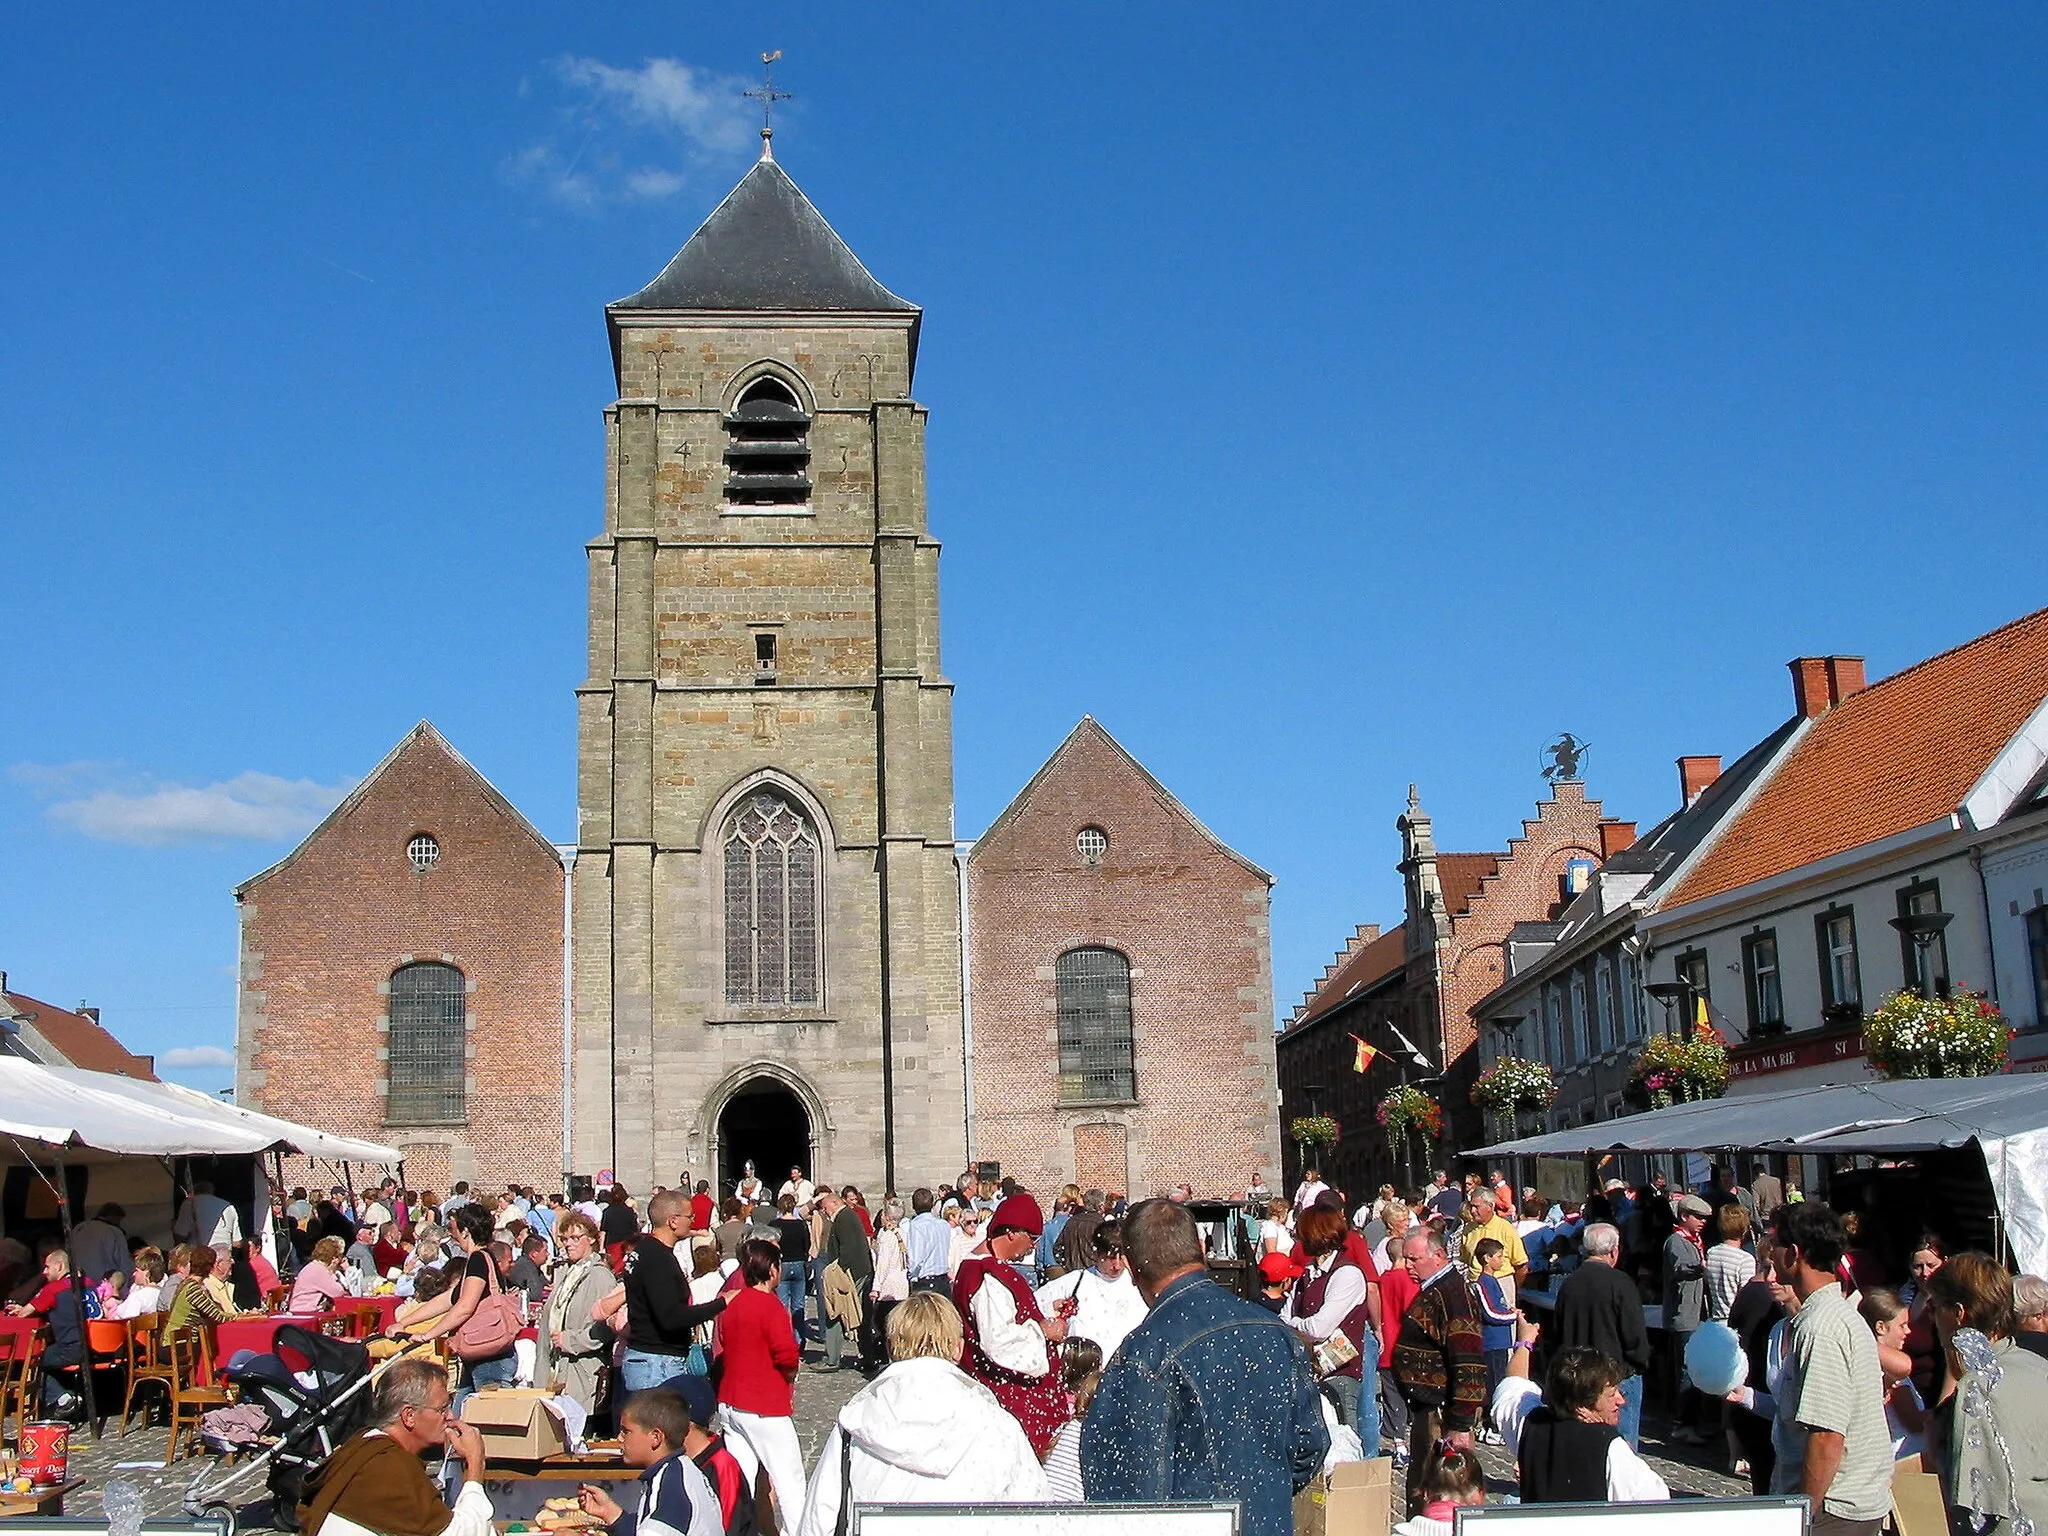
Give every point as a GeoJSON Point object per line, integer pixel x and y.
{"type": "Point", "coordinates": [255, 1333]}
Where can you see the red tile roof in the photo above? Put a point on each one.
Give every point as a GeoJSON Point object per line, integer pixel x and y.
{"type": "Point", "coordinates": [1897, 755]}
{"type": "Point", "coordinates": [1356, 969]}
{"type": "Point", "coordinates": [82, 1041]}
{"type": "Point", "coordinates": [1460, 875]}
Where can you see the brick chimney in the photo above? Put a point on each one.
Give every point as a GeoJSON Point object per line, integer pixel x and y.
{"type": "Point", "coordinates": [89, 1013]}
{"type": "Point", "coordinates": [1614, 837]}
{"type": "Point", "coordinates": [1810, 686]}
{"type": "Point", "coordinates": [1696, 773]}
{"type": "Point", "coordinates": [1845, 677]}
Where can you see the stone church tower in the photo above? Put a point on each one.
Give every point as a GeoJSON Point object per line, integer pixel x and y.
{"type": "Point", "coordinates": [766, 905]}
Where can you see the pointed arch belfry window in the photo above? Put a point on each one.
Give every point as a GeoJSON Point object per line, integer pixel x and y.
{"type": "Point", "coordinates": [771, 905]}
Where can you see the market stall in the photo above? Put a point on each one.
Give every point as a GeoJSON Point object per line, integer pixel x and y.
{"type": "Point", "coordinates": [2003, 1119]}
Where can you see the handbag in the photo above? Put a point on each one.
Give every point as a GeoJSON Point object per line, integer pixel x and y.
{"type": "Point", "coordinates": [1333, 1354]}
{"type": "Point", "coordinates": [493, 1326]}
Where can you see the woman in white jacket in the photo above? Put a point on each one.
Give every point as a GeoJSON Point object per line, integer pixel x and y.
{"type": "Point", "coordinates": [922, 1432]}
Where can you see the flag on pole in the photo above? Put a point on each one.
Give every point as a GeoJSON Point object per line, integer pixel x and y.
{"type": "Point", "coordinates": [1699, 1012]}
{"type": "Point", "coordinates": [1365, 1055]}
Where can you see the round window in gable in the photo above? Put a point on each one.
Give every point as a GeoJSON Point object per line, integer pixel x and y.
{"type": "Point", "coordinates": [1092, 843]}
{"type": "Point", "coordinates": [423, 852]}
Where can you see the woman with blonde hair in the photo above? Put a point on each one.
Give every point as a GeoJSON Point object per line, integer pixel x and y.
{"type": "Point", "coordinates": [923, 1431]}
{"type": "Point", "coordinates": [317, 1288]}
{"type": "Point", "coordinates": [571, 1353]}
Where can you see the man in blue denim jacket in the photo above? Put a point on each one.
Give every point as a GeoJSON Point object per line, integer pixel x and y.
{"type": "Point", "coordinates": [1210, 1398]}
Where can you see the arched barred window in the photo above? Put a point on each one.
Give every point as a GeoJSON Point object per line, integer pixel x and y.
{"type": "Point", "coordinates": [1094, 987]}
{"type": "Point", "coordinates": [771, 905]}
{"type": "Point", "coordinates": [426, 1043]}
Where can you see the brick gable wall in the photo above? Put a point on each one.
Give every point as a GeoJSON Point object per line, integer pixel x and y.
{"type": "Point", "coordinates": [322, 933]}
{"type": "Point", "coordinates": [1193, 922]}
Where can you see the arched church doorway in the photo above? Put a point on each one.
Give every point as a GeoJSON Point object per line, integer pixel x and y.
{"type": "Point", "coordinates": [765, 1123]}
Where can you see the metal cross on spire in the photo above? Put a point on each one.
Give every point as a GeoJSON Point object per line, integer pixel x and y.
{"type": "Point", "coordinates": [767, 95]}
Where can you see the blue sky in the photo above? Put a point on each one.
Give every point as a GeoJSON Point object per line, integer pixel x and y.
{"type": "Point", "coordinates": [1324, 399]}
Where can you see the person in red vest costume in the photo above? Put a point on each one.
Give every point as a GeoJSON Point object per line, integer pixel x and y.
{"type": "Point", "coordinates": [1010, 1344]}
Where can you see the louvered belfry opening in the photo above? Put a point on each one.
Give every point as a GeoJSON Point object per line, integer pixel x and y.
{"type": "Point", "coordinates": [768, 448]}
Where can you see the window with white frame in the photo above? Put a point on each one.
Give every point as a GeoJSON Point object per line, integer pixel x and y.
{"type": "Point", "coordinates": [1631, 997]}
{"type": "Point", "coordinates": [1762, 983]}
{"type": "Point", "coordinates": [1841, 978]}
{"type": "Point", "coordinates": [1603, 1005]}
{"type": "Point", "coordinates": [1579, 1042]}
{"type": "Point", "coordinates": [1556, 1044]}
{"type": "Point", "coordinates": [2037, 961]}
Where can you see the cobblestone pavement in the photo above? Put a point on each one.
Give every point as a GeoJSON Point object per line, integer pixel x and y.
{"type": "Point", "coordinates": [819, 1397]}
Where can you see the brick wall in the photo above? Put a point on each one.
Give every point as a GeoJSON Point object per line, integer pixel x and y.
{"type": "Point", "coordinates": [323, 931]}
{"type": "Point", "coordinates": [1528, 887]}
{"type": "Point", "coordinates": [1191, 918]}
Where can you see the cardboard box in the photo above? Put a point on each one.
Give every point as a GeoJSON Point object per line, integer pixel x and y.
{"type": "Point", "coordinates": [1354, 1498]}
{"type": "Point", "coordinates": [514, 1424]}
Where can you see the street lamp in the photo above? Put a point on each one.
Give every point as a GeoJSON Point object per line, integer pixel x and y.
{"type": "Point", "coordinates": [1506, 1025]}
{"type": "Point", "coordinates": [1923, 928]}
{"type": "Point", "coordinates": [1670, 994]}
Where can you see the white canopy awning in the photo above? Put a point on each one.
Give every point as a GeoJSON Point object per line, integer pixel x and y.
{"type": "Point", "coordinates": [2006, 1116]}
{"type": "Point", "coordinates": [128, 1116]}
{"type": "Point", "coordinates": [67, 1108]}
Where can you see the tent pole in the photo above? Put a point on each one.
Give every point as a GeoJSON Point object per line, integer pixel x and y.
{"type": "Point", "coordinates": [85, 1384]}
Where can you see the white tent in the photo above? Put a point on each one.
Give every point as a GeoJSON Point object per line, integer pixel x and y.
{"type": "Point", "coordinates": [127, 1130]}
{"type": "Point", "coordinates": [2007, 1117]}
{"type": "Point", "coordinates": [64, 1107]}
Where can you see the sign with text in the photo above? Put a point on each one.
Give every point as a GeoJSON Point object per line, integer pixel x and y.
{"type": "Point", "coordinates": [1783, 1056]}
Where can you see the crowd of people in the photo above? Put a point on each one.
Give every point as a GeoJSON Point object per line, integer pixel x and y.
{"type": "Point", "coordinates": [1084, 1349]}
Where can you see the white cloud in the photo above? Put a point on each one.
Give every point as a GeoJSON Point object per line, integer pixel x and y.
{"type": "Point", "coordinates": [188, 1056]}
{"type": "Point", "coordinates": [634, 135]}
{"type": "Point", "coordinates": [108, 805]}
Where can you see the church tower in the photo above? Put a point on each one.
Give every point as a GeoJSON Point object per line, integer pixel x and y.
{"type": "Point", "coordinates": [766, 907]}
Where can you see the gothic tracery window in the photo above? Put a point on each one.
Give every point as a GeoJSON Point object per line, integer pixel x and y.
{"type": "Point", "coordinates": [771, 905]}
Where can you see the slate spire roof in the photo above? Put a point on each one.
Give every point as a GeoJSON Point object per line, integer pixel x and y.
{"type": "Point", "coordinates": [766, 248]}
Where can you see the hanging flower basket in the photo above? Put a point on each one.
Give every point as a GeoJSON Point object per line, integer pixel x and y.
{"type": "Point", "coordinates": [1680, 1069]}
{"type": "Point", "coordinates": [1513, 1084]}
{"type": "Point", "coordinates": [1320, 1131]}
{"type": "Point", "coordinates": [1914, 1036]}
{"type": "Point", "coordinates": [1408, 1111]}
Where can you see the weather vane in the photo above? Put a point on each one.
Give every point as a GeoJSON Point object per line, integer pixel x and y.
{"type": "Point", "coordinates": [767, 95]}
{"type": "Point", "coordinates": [1561, 758]}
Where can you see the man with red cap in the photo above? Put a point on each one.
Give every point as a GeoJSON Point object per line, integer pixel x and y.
{"type": "Point", "coordinates": [1009, 1342]}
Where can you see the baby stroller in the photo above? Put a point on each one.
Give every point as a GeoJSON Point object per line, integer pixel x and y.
{"type": "Point", "coordinates": [314, 1391]}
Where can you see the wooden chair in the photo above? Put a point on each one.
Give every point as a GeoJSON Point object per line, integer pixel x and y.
{"type": "Point", "coordinates": [147, 1365]}
{"type": "Point", "coordinates": [21, 1361]}
{"type": "Point", "coordinates": [362, 1322]}
{"type": "Point", "coordinates": [276, 1298]}
{"type": "Point", "coordinates": [191, 1364]}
